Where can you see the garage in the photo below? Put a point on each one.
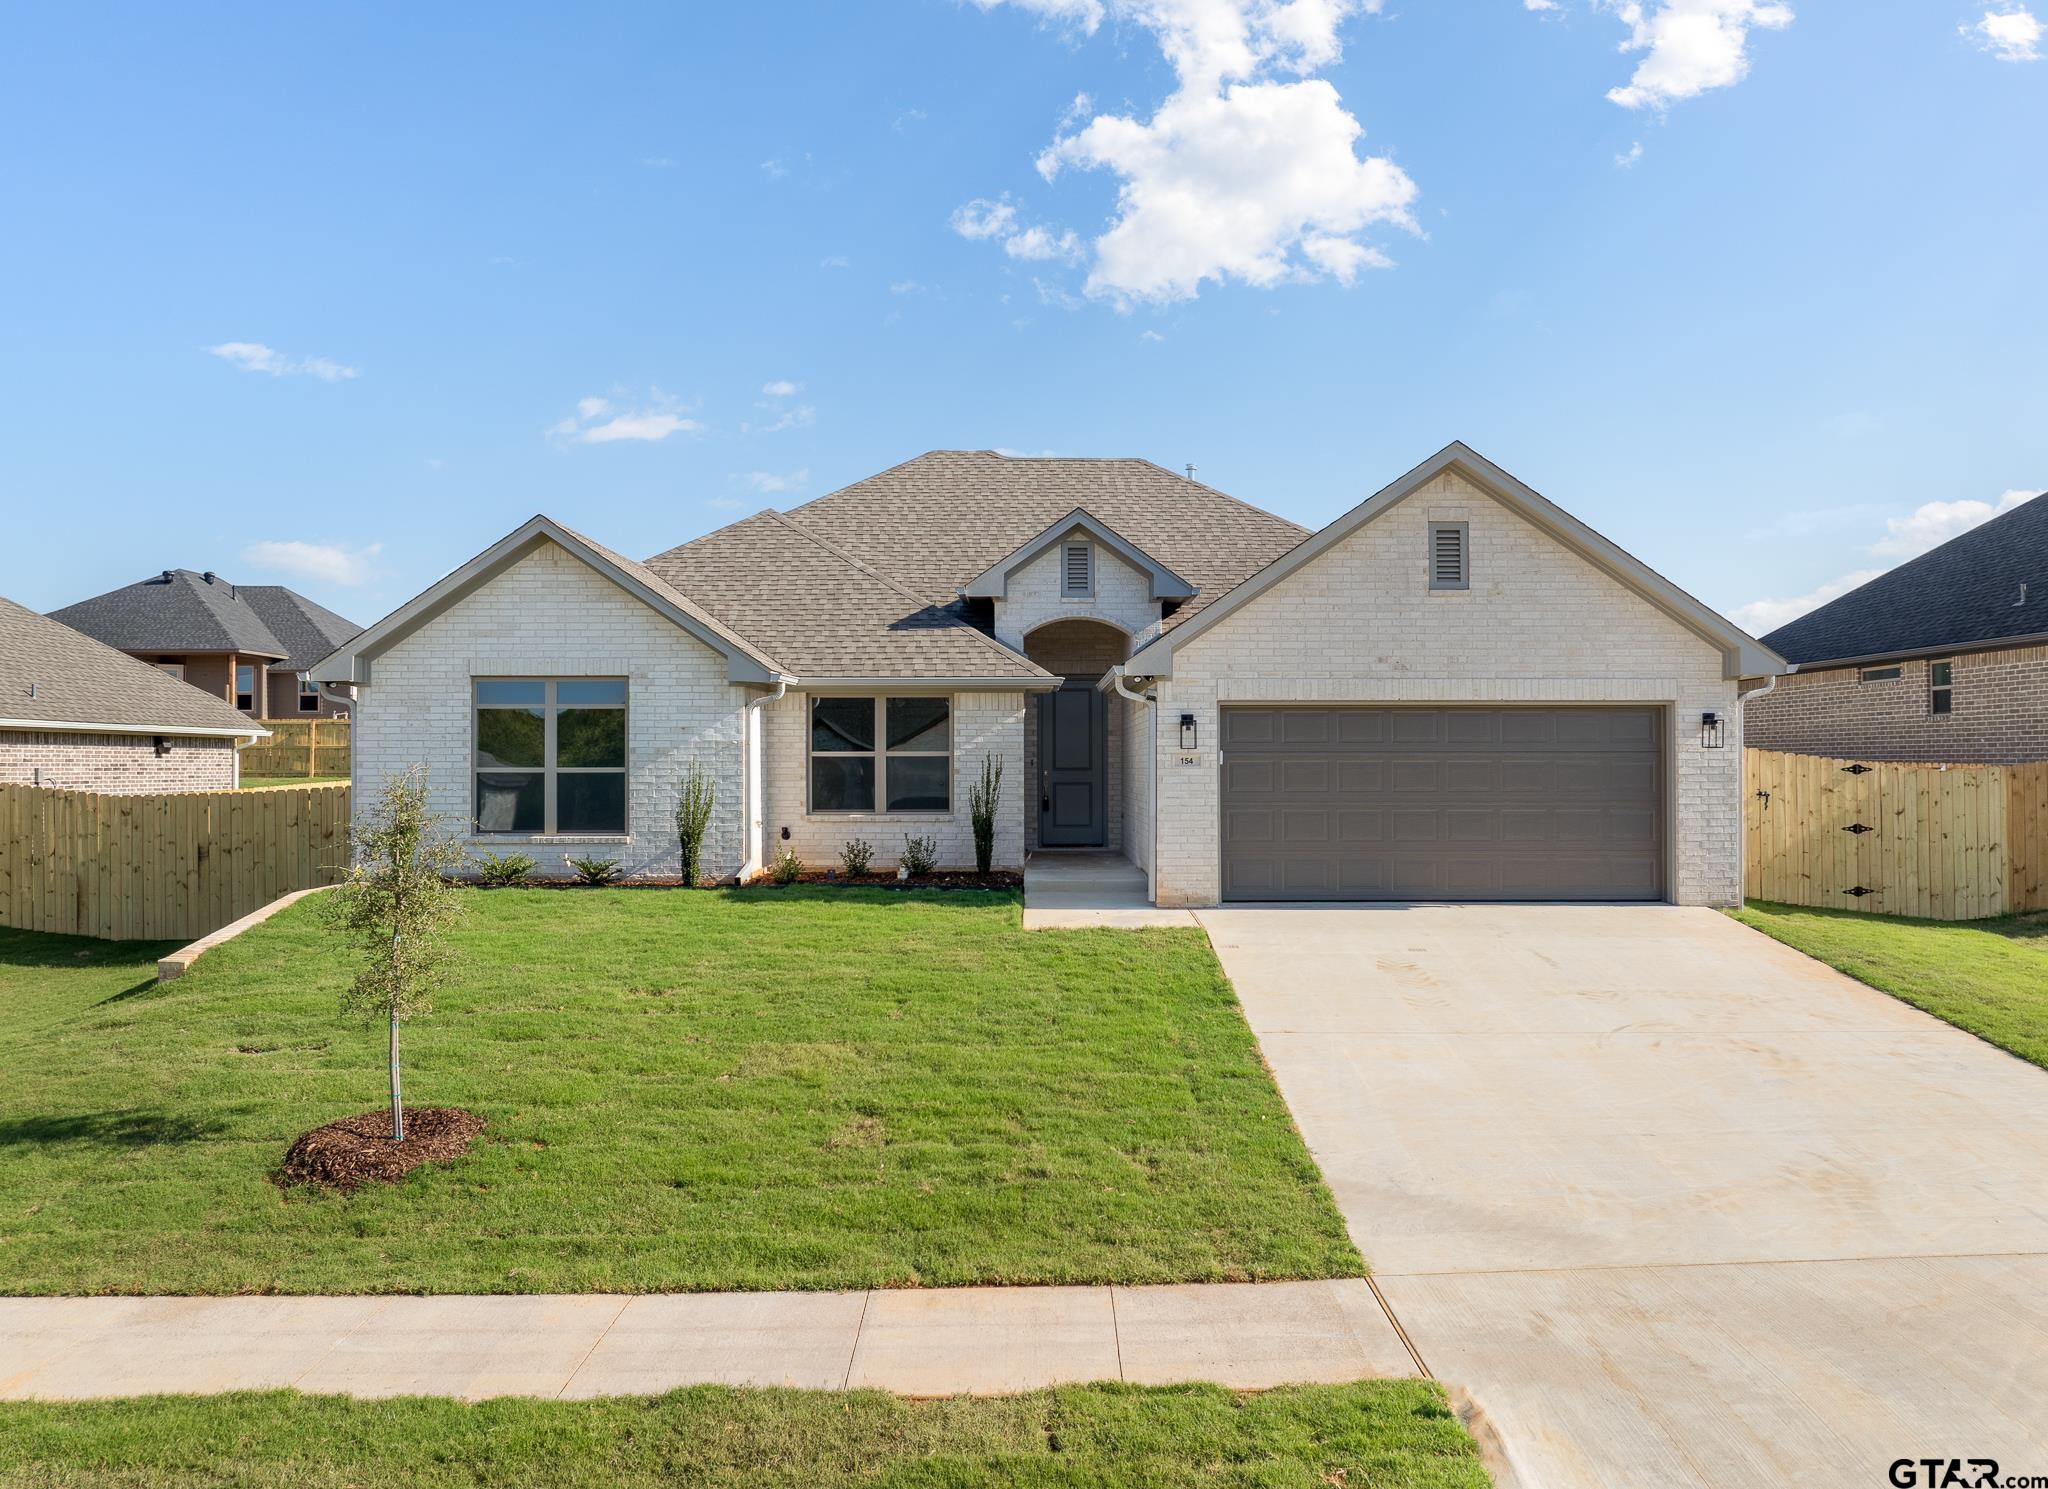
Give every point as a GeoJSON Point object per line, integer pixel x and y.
{"type": "Point", "coordinates": [1456, 803]}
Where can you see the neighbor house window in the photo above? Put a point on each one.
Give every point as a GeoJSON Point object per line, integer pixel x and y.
{"type": "Point", "coordinates": [174, 669]}
{"type": "Point", "coordinates": [309, 695]}
{"type": "Point", "coordinates": [1077, 570]}
{"type": "Point", "coordinates": [1450, 565]}
{"type": "Point", "coordinates": [245, 687]}
{"type": "Point", "coordinates": [886, 754]}
{"type": "Point", "coordinates": [1941, 682]}
{"type": "Point", "coordinates": [1878, 674]}
{"type": "Point", "coordinates": [551, 755]}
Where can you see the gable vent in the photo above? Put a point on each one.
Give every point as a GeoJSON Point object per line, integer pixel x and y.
{"type": "Point", "coordinates": [1449, 560]}
{"type": "Point", "coordinates": [1077, 569]}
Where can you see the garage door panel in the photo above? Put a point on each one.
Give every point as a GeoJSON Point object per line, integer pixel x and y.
{"type": "Point", "coordinates": [1443, 803]}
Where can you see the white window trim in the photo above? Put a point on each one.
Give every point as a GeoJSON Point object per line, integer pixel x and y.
{"type": "Point", "coordinates": [1068, 590]}
{"type": "Point", "coordinates": [1935, 688]}
{"type": "Point", "coordinates": [255, 683]}
{"type": "Point", "coordinates": [549, 770]}
{"type": "Point", "coordinates": [880, 755]}
{"type": "Point", "coordinates": [309, 692]}
{"type": "Point", "coordinates": [174, 669]}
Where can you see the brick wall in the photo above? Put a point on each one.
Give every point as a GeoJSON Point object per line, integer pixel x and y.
{"type": "Point", "coordinates": [550, 615]}
{"type": "Point", "coordinates": [1538, 625]}
{"type": "Point", "coordinates": [1123, 597]}
{"type": "Point", "coordinates": [1133, 721]}
{"type": "Point", "coordinates": [1999, 712]}
{"type": "Point", "coordinates": [983, 724]}
{"type": "Point", "coordinates": [123, 764]}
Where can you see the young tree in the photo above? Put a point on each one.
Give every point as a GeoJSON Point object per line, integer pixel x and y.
{"type": "Point", "coordinates": [396, 905]}
{"type": "Point", "coordinates": [693, 819]}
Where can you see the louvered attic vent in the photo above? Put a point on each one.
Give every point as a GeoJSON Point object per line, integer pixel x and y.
{"type": "Point", "coordinates": [1077, 569]}
{"type": "Point", "coordinates": [1449, 562]}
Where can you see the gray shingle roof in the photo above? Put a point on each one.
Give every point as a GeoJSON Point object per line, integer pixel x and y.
{"type": "Point", "coordinates": [709, 619]}
{"type": "Point", "coordinates": [1965, 593]}
{"type": "Point", "coordinates": [180, 611]}
{"type": "Point", "coordinates": [822, 613]}
{"type": "Point", "coordinates": [78, 680]}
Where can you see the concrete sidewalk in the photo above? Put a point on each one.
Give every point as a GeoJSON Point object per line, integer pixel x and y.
{"type": "Point", "coordinates": [936, 1342]}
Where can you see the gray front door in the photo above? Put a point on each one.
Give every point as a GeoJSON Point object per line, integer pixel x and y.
{"type": "Point", "coordinates": [1443, 804]}
{"type": "Point", "coordinates": [1073, 806]}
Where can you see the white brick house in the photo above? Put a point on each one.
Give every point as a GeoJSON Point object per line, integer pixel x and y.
{"type": "Point", "coordinates": [1455, 691]}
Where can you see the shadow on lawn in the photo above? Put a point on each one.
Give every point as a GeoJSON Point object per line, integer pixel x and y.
{"type": "Point", "coordinates": [132, 1128]}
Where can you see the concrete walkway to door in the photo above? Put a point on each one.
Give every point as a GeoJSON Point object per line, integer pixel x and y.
{"type": "Point", "coordinates": [1666, 1202]}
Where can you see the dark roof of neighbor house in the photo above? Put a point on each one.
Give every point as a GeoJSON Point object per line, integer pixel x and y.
{"type": "Point", "coordinates": [77, 680]}
{"type": "Point", "coordinates": [764, 576]}
{"type": "Point", "coordinates": [1986, 586]}
{"type": "Point", "coordinates": [899, 546]}
{"type": "Point", "coordinates": [182, 611]}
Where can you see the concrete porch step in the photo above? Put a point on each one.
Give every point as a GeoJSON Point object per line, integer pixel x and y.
{"type": "Point", "coordinates": [1082, 871]}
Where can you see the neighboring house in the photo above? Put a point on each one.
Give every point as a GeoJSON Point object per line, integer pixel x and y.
{"type": "Point", "coordinates": [247, 644]}
{"type": "Point", "coordinates": [80, 716]}
{"type": "Point", "coordinates": [1454, 691]}
{"type": "Point", "coordinates": [1943, 659]}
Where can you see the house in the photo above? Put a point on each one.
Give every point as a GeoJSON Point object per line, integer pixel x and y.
{"type": "Point", "coordinates": [1455, 690]}
{"type": "Point", "coordinates": [1944, 658]}
{"type": "Point", "coordinates": [249, 644]}
{"type": "Point", "coordinates": [80, 716]}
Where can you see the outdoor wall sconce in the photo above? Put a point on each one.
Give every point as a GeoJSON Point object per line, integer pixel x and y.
{"type": "Point", "coordinates": [1712, 735]}
{"type": "Point", "coordinates": [163, 746]}
{"type": "Point", "coordinates": [1187, 731]}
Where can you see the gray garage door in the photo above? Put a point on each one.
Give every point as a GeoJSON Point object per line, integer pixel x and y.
{"type": "Point", "coordinates": [1442, 804]}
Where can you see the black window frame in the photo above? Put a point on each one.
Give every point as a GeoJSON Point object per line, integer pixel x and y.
{"type": "Point", "coordinates": [880, 754]}
{"type": "Point", "coordinates": [550, 769]}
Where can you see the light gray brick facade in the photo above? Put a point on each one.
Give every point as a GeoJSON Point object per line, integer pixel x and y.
{"type": "Point", "coordinates": [1123, 598]}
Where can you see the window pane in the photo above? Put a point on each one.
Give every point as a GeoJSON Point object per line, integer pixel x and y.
{"type": "Point", "coordinates": [590, 693]}
{"type": "Point", "coordinates": [590, 736]}
{"type": "Point", "coordinates": [918, 724]}
{"type": "Point", "coordinates": [1942, 698]}
{"type": "Point", "coordinates": [1944, 674]}
{"type": "Point", "coordinates": [842, 783]}
{"type": "Point", "coordinates": [917, 783]}
{"type": "Point", "coordinates": [591, 803]}
{"type": "Point", "coordinates": [510, 694]}
{"type": "Point", "coordinates": [510, 736]}
{"type": "Point", "coordinates": [842, 723]}
{"type": "Point", "coordinates": [510, 802]}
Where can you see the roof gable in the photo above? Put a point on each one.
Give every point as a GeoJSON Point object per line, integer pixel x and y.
{"type": "Point", "coordinates": [1987, 585]}
{"type": "Point", "coordinates": [351, 663]}
{"type": "Point", "coordinates": [993, 582]}
{"type": "Point", "coordinates": [1743, 655]}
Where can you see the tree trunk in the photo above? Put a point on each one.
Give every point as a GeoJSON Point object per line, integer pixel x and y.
{"type": "Point", "coordinates": [397, 1107]}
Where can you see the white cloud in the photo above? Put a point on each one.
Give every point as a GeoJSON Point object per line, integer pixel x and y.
{"type": "Point", "coordinates": [1150, 336]}
{"type": "Point", "coordinates": [656, 162]}
{"type": "Point", "coordinates": [328, 563]}
{"type": "Point", "coordinates": [1248, 172]}
{"type": "Point", "coordinates": [254, 356]}
{"type": "Point", "coordinates": [906, 287]}
{"type": "Point", "coordinates": [774, 169]}
{"type": "Point", "coordinates": [907, 119]}
{"type": "Point", "coordinates": [1539, 5]}
{"type": "Point", "coordinates": [982, 218]}
{"type": "Point", "coordinates": [1692, 45]}
{"type": "Point", "coordinates": [768, 483]}
{"type": "Point", "coordinates": [800, 417]}
{"type": "Point", "coordinates": [2009, 35]}
{"type": "Point", "coordinates": [1630, 156]}
{"type": "Point", "coordinates": [835, 261]}
{"type": "Point", "coordinates": [601, 421]}
{"type": "Point", "coordinates": [1037, 243]}
{"type": "Point", "coordinates": [1926, 527]}
{"type": "Point", "coordinates": [782, 388]}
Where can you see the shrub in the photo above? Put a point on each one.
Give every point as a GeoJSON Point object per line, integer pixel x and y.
{"type": "Point", "coordinates": [856, 856]}
{"type": "Point", "coordinates": [920, 855]}
{"type": "Point", "coordinates": [981, 805]}
{"type": "Point", "coordinates": [787, 867]}
{"type": "Point", "coordinates": [593, 870]}
{"type": "Point", "coordinates": [693, 818]}
{"type": "Point", "coordinates": [503, 870]}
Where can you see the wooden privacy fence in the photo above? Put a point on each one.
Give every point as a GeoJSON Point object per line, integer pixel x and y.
{"type": "Point", "coordinates": [1945, 842]}
{"type": "Point", "coordinates": [162, 867]}
{"type": "Point", "coordinates": [299, 747]}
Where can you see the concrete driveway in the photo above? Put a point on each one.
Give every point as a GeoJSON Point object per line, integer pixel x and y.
{"type": "Point", "coordinates": [1661, 1201]}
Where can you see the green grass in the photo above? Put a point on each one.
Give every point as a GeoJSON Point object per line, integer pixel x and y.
{"type": "Point", "coordinates": [266, 783]}
{"type": "Point", "coordinates": [1370, 1435]}
{"type": "Point", "coordinates": [1987, 976]}
{"type": "Point", "coordinates": [798, 1088]}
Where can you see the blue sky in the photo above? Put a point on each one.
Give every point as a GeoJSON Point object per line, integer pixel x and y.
{"type": "Point", "coordinates": [335, 297]}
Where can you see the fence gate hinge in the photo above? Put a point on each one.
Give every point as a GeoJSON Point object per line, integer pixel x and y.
{"type": "Point", "coordinates": [1859, 891]}
{"type": "Point", "coordinates": [1858, 827]}
{"type": "Point", "coordinates": [1858, 769]}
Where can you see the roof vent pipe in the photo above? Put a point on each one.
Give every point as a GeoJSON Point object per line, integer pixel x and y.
{"type": "Point", "coordinates": [2023, 597]}
{"type": "Point", "coordinates": [207, 576]}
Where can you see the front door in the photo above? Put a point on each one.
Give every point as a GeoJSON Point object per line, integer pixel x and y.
{"type": "Point", "coordinates": [1073, 808]}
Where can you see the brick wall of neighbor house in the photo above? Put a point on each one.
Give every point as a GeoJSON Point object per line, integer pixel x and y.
{"type": "Point", "coordinates": [122, 764]}
{"type": "Point", "coordinates": [983, 724]}
{"type": "Point", "coordinates": [550, 615]}
{"type": "Point", "coordinates": [1122, 597]}
{"type": "Point", "coordinates": [1999, 712]}
{"type": "Point", "coordinates": [1538, 625]}
{"type": "Point", "coordinates": [1071, 646]}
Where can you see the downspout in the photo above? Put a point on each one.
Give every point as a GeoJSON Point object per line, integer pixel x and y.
{"type": "Point", "coordinates": [749, 789]}
{"type": "Point", "coordinates": [1151, 702]}
{"type": "Point", "coordinates": [1771, 682]}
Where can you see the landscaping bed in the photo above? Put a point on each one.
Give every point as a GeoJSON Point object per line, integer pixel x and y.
{"type": "Point", "coordinates": [1369, 1435]}
{"type": "Point", "coordinates": [808, 1087]}
{"type": "Point", "coordinates": [358, 1150]}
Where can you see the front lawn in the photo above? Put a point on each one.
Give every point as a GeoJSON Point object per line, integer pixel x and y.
{"type": "Point", "coordinates": [271, 783]}
{"type": "Point", "coordinates": [1987, 976]}
{"type": "Point", "coordinates": [1390, 1434]}
{"type": "Point", "coordinates": [796, 1088]}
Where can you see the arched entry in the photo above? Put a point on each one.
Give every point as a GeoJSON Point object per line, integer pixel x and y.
{"type": "Point", "coordinates": [1074, 749]}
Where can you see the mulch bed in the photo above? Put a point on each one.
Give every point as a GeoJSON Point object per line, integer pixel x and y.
{"type": "Point", "coordinates": [999, 879]}
{"type": "Point", "coordinates": [358, 1150]}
